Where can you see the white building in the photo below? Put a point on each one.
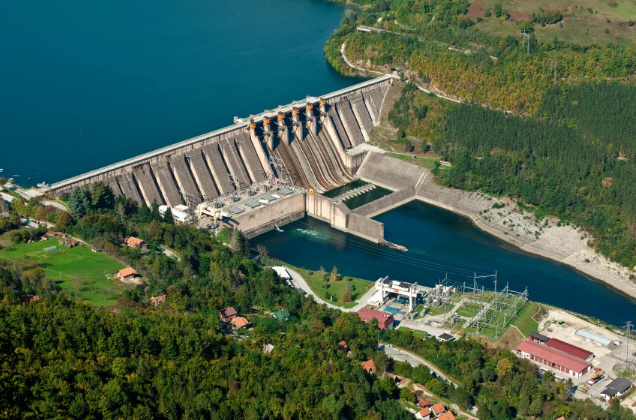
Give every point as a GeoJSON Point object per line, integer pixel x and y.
{"type": "Point", "coordinates": [592, 337]}
{"type": "Point", "coordinates": [179, 213]}
{"type": "Point", "coordinates": [384, 286]}
{"type": "Point", "coordinates": [282, 272]}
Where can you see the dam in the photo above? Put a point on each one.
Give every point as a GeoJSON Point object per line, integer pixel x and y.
{"type": "Point", "coordinates": [310, 147]}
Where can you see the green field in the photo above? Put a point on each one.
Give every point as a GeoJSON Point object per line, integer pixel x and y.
{"type": "Point", "coordinates": [79, 270]}
{"type": "Point", "coordinates": [335, 289]}
{"type": "Point", "coordinates": [579, 25]}
{"type": "Point", "coordinates": [525, 321]}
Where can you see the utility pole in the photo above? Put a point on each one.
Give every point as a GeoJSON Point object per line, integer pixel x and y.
{"type": "Point", "coordinates": [628, 328]}
{"type": "Point", "coordinates": [526, 37]}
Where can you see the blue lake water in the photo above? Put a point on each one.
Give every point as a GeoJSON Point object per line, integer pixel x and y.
{"type": "Point", "coordinates": [86, 84]}
{"type": "Point", "coordinates": [442, 242]}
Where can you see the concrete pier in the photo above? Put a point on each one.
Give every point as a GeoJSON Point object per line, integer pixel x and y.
{"type": "Point", "coordinates": [219, 171]}
{"type": "Point", "coordinates": [166, 183]}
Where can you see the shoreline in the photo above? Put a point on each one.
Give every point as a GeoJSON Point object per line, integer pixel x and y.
{"type": "Point", "coordinates": [573, 250]}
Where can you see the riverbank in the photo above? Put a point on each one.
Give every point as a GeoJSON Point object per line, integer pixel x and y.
{"type": "Point", "coordinates": [547, 238]}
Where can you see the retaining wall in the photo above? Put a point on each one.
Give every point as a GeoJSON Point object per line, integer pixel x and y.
{"type": "Point", "coordinates": [391, 173]}
{"type": "Point", "coordinates": [266, 218]}
{"type": "Point", "coordinates": [386, 203]}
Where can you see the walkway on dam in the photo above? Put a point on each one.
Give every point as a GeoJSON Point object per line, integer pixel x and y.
{"type": "Point", "coordinates": [355, 192]}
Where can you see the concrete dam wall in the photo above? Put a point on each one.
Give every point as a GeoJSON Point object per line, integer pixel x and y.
{"type": "Point", "coordinates": [309, 143]}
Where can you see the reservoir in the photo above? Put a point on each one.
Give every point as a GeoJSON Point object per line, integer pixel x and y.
{"type": "Point", "coordinates": [86, 84]}
{"type": "Point", "coordinates": [442, 242]}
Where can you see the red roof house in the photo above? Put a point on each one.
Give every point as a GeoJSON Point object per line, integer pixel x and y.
{"type": "Point", "coordinates": [369, 366]}
{"type": "Point", "coordinates": [447, 415]}
{"type": "Point", "coordinates": [423, 402]}
{"type": "Point", "coordinates": [228, 313]}
{"type": "Point", "coordinates": [438, 409]}
{"type": "Point", "coordinates": [553, 358]}
{"type": "Point", "coordinates": [239, 322]}
{"type": "Point", "coordinates": [385, 319]}
{"type": "Point", "coordinates": [570, 349]}
{"type": "Point", "coordinates": [136, 243]}
{"type": "Point", "coordinates": [343, 345]}
{"type": "Point", "coordinates": [424, 414]}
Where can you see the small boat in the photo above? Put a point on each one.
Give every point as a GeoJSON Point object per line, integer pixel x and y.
{"type": "Point", "coordinates": [1, 170]}
{"type": "Point", "coordinates": [11, 180]}
{"type": "Point", "coordinates": [42, 184]}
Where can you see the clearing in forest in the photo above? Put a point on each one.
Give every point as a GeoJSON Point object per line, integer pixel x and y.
{"type": "Point", "coordinates": [79, 270]}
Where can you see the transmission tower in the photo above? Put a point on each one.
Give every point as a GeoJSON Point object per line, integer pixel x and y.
{"type": "Point", "coordinates": [628, 328]}
{"type": "Point", "coordinates": [526, 38]}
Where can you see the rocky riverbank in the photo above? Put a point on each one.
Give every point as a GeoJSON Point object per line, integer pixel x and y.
{"type": "Point", "coordinates": [504, 219]}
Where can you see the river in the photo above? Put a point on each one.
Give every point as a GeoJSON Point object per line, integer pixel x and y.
{"type": "Point", "coordinates": [442, 242]}
{"type": "Point", "coordinates": [86, 84]}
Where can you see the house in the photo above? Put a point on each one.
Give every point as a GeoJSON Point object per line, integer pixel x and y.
{"type": "Point", "coordinates": [369, 366]}
{"type": "Point", "coordinates": [343, 346]}
{"type": "Point", "coordinates": [133, 242]}
{"type": "Point", "coordinates": [616, 388]}
{"type": "Point", "coordinates": [438, 409]}
{"type": "Point", "coordinates": [239, 322]}
{"type": "Point", "coordinates": [445, 337]}
{"type": "Point", "coordinates": [69, 242]}
{"type": "Point", "coordinates": [539, 338]}
{"type": "Point", "coordinates": [30, 298]}
{"type": "Point", "coordinates": [424, 414]}
{"type": "Point", "coordinates": [385, 319]}
{"type": "Point", "coordinates": [227, 314]}
{"type": "Point", "coordinates": [281, 315]}
{"type": "Point", "coordinates": [447, 415]}
{"type": "Point", "coordinates": [553, 358]}
{"type": "Point", "coordinates": [570, 349]}
{"type": "Point", "coordinates": [157, 300]}
{"type": "Point", "coordinates": [423, 402]}
{"type": "Point", "coordinates": [128, 275]}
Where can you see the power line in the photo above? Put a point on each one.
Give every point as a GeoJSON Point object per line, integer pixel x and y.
{"type": "Point", "coordinates": [396, 257]}
{"type": "Point", "coordinates": [466, 269]}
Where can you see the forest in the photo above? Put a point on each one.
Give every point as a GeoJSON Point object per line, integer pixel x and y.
{"type": "Point", "coordinates": [434, 45]}
{"type": "Point", "coordinates": [575, 161]}
{"type": "Point", "coordinates": [60, 358]}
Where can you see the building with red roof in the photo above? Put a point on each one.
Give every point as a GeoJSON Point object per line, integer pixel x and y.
{"type": "Point", "coordinates": [227, 314]}
{"type": "Point", "coordinates": [385, 319]}
{"type": "Point", "coordinates": [438, 409]}
{"type": "Point", "coordinates": [447, 415]}
{"type": "Point", "coordinates": [553, 358]}
{"type": "Point", "coordinates": [424, 414]}
{"type": "Point", "coordinates": [239, 322]}
{"type": "Point", "coordinates": [570, 349]}
{"type": "Point", "coordinates": [369, 366]}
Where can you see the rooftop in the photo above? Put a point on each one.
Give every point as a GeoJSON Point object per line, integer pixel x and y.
{"type": "Point", "coordinates": [617, 386]}
{"type": "Point", "coordinates": [369, 366]}
{"type": "Point", "coordinates": [569, 348]}
{"type": "Point", "coordinates": [539, 337]}
{"type": "Point", "coordinates": [125, 272]}
{"type": "Point", "coordinates": [552, 355]}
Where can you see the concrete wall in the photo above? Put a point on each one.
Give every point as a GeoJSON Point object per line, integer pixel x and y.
{"type": "Point", "coordinates": [340, 217]}
{"type": "Point", "coordinates": [386, 203]}
{"type": "Point", "coordinates": [264, 219]}
{"type": "Point", "coordinates": [391, 173]}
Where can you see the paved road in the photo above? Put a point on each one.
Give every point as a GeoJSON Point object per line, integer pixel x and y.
{"type": "Point", "coordinates": [404, 356]}
{"type": "Point", "coordinates": [300, 283]}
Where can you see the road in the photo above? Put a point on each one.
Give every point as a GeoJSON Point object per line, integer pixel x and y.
{"type": "Point", "coordinates": [299, 282]}
{"type": "Point", "coordinates": [404, 356]}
